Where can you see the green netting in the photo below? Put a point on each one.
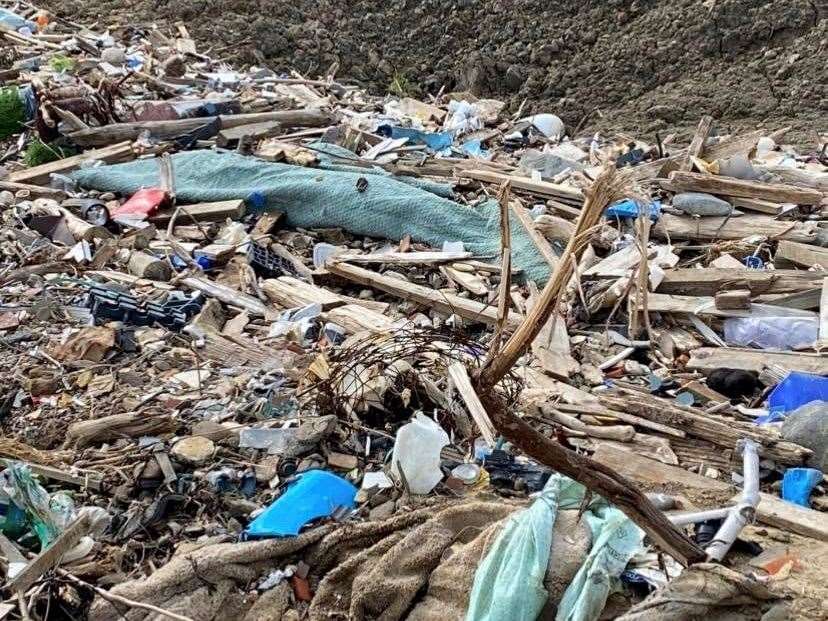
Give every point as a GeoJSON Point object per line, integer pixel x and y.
{"type": "Point", "coordinates": [328, 197]}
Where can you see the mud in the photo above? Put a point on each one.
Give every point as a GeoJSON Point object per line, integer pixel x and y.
{"type": "Point", "coordinates": [633, 65]}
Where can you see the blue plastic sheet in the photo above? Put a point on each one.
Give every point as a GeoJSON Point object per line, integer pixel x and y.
{"type": "Point", "coordinates": [798, 483]}
{"type": "Point", "coordinates": [629, 208]}
{"type": "Point", "coordinates": [796, 390]}
{"type": "Point", "coordinates": [436, 141]}
{"type": "Point", "coordinates": [14, 21]}
{"type": "Point", "coordinates": [315, 494]}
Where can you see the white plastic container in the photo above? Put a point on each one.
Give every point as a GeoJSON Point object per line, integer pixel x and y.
{"type": "Point", "coordinates": [417, 454]}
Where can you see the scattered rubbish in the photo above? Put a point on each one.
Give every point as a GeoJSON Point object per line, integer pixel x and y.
{"type": "Point", "coordinates": [263, 334]}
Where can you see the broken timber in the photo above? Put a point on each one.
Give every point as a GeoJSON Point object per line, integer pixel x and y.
{"type": "Point", "coordinates": [682, 181]}
{"type": "Point", "coordinates": [443, 302]}
{"type": "Point", "coordinates": [40, 174]}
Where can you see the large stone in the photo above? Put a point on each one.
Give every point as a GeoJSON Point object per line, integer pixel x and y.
{"type": "Point", "coordinates": [808, 426]}
{"type": "Point", "coordinates": [195, 450]}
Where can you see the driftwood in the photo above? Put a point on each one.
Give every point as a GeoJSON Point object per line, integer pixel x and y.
{"type": "Point", "coordinates": [116, 426]}
{"type": "Point", "coordinates": [727, 186]}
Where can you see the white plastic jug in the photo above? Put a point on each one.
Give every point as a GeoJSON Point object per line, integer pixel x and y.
{"type": "Point", "coordinates": [417, 453]}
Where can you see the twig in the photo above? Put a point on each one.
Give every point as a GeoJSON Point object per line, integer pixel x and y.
{"type": "Point", "coordinates": [112, 597]}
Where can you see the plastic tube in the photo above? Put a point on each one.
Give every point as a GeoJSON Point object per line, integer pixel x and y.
{"type": "Point", "coordinates": [744, 511]}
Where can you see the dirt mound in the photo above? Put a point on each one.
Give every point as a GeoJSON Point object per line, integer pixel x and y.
{"type": "Point", "coordinates": [636, 65]}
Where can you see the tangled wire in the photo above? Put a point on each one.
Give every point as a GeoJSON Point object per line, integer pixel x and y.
{"type": "Point", "coordinates": [399, 372]}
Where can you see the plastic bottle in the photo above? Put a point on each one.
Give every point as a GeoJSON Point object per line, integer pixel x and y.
{"type": "Point", "coordinates": [417, 454]}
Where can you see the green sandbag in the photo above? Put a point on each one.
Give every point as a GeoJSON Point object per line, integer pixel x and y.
{"type": "Point", "coordinates": [318, 197]}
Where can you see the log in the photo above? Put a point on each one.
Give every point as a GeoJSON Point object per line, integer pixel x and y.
{"type": "Point", "coordinates": [727, 186]}
{"type": "Point", "coordinates": [674, 227]}
{"type": "Point", "coordinates": [81, 229]}
{"type": "Point", "coordinates": [443, 302]}
{"type": "Point", "coordinates": [619, 433]}
{"type": "Point", "coordinates": [35, 191]}
{"type": "Point", "coordinates": [120, 152]}
{"type": "Point", "coordinates": [116, 426]}
{"type": "Point", "coordinates": [145, 265]}
{"type": "Point", "coordinates": [805, 255]}
{"type": "Point", "coordinates": [707, 359]}
{"type": "Point", "coordinates": [709, 281]}
{"type": "Point", "coordinates": [115, 132]}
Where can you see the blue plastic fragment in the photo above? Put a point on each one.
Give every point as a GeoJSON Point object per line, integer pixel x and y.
{"type": "Point", "coordinates": [436, 141]}
{"type": "Point", "coordinates": [628, 208]}
{"type": "Point", "coordinates": [754, 263]}
{"type": "Point", "coordinates": [796, 390]}
{"type": "Point", "coordinates": [315, 494]}
{"type": "Point", "coordinates": [798, 483]}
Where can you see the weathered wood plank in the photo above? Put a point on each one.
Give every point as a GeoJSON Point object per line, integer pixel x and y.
{"type": "Point", "coordinates": [728, 186]}
{"type": "Point", "coordinates": [707, 359]}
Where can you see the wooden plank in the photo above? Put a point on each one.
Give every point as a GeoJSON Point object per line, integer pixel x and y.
{"type": "Point", "coordinates": [460, 377]}
{"type": "Point", "coordinates": [255, 131]}
{"type": "Point", "coordinates": [203, 212]}
{"type": "Point", "coordinates": [737, 299]}
{"type": "Point", "coordinates": [823, 314]}
{"type": "Point", "coordinates": [806, 255]}
{"type": "Point", "coordinates": [290, 292]}
{"type": "Point", "coordinates": [91, 480]}
{"type": "Point", "coordinates": [808, 299]}
{"type": "Point", "coordinates": [540, 188]}
{"type": "Point", "coordinates": [728, 147]}
{"type": "Point", "coordinates": [539, 240]}
{"type": "Point", "coordinates": [728, 186]}
{"type": "Point", "coordinates": [632, 419]}
{"type": "Point", "coordinates": [755, 204]}
{"type": "Point", "coordinates": [697, 144]}
{"type": "Point", "coordinates": [709, 281]}
{"type": "Point", "coordinates": [115, 132]}
{"type": "Point", "coordinates": [675, 227]}
{"type": "Point", "coordinates": [707, 359]}
{"type": "Point", "coordinates": [40, 174]}
{"type": "Point", "coordinates": [443, 302]}
{"type": "Point", "coordinates": [404, 258]}
{"type": "Point", "coordinates": [51, 556]}
{"type": "Point", "coordinates": [771, 510]}
{"type": "Point", "coordinates": [706, 306]}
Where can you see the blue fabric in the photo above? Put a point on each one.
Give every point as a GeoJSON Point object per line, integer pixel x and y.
{"type": "Point", "coordinates": [390, 207]}
{"type": "Point", "coordinates": [315, 494]}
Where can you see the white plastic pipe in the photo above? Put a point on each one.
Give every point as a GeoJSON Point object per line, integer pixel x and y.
{"type": "Point", "coordinates": [743, 512]}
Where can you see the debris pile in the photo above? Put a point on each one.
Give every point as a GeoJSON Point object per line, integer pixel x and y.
{"type": "Point", "coordinates": [274, 347]}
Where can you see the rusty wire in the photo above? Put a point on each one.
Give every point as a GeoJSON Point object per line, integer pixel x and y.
{"type": "Point", "coordinates": [428, 351]}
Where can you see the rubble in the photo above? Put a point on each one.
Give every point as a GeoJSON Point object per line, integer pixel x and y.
{"type": "Point", "coordinates": [278, 347]}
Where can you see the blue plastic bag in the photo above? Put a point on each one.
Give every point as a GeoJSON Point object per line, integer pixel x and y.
{"type": "Point", "coordinates": [798, 483]}
{"type": "Point", "coordinates": [796, 390]}
{"type": "Point", "coordinates": [628, 208]}
{"type": "Point", "coordinates": [315, 494]}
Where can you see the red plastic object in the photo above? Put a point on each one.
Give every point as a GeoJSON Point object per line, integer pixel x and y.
{"type": "Point", "coordinates": [145, 202]}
